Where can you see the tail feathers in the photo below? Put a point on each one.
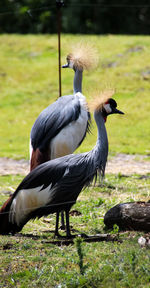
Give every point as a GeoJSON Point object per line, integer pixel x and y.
{"type": "Point", "coordinates": [38, 158]}
{"type": "Point", "coordinates": [6, 226]}
{"type": "Point", "coordinates": [23, 206]}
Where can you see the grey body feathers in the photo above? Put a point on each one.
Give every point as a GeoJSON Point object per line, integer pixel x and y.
{"type": "Point", "coordinates": [53, 119]}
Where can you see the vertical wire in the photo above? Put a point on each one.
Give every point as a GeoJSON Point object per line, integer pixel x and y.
{"type": "Point", "coordinates": [59, 4]}
{"type": "Point", "coordinates": [59, 47]}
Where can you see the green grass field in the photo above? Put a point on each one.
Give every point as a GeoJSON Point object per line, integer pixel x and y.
{"type": "Point", "coordinates": [32, 259]}
{"type": "Point", "coordinates": [29, 83]}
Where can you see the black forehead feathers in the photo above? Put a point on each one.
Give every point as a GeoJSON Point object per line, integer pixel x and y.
{"type": "Point", "coordinates": [112, 103]}
{"type": "Point", "coordinates": [69, 57]}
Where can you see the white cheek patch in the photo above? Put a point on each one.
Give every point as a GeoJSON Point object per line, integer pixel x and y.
{"type": "Point", "coordinates": [107, 108]}
{"type": "Point", "coordinates": [71, 64]}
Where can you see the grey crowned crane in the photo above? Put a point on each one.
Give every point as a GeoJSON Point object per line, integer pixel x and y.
{"type": "Point", "coordinates": [62, 126]}
{"type": "Point", "coordinates": [55, 185]}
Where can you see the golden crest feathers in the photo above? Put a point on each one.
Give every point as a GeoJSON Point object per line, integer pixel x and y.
{"type": "Point", "coordinates": [84, 56]}
{"type": "Point", "coordinates": [97, 102]}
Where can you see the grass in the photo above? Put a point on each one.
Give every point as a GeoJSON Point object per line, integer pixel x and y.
{"type": "Point", "coordinates": [29, 260]}
{"type": "Point", "coordinates": [29, 83]}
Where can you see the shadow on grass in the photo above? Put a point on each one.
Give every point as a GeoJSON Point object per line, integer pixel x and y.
{"type": "Point", "coordinates": [64, 240]}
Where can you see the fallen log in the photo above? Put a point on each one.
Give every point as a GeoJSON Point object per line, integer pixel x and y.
{"type": "Point", "coordinates": [129, 216]}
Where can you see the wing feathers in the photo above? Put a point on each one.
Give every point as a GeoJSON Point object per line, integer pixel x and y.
{"type": "Point", "coordinates": [26, 201]}
{"type": "Point", "coordinates": [51, 120]}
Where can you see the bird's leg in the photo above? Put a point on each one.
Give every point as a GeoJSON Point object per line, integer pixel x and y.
{"type": "Point", "coordinates": [63, 227]}
{"type": "Point", "coordinates": [100, 179]}
{"type": "Point", "coordinates": [68, 234]}
{"type": "Point", "coordinates": [57, 224]}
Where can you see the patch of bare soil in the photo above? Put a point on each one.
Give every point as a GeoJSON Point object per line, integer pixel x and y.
{"type": "Point", "coordinates": [10, 166]}
{"type": "Point", "coordinates": [121, 163]}
{"type": "Point", "coordinates": [128, 164]}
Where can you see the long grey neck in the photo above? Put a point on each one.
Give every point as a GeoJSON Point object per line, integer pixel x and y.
{"type": "Point", "coordinates": [101, 147]}
{"type": "Point", "coordinates": [77, 83]}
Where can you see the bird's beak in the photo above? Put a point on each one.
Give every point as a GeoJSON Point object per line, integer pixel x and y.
{"type": "Point", "coordinates": [116, 111]}
{"type": "Point", "coordinates": [65, 65]}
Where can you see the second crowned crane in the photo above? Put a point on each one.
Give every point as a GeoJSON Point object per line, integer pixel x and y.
{"type": "Point", "coordinates": [62, 126]}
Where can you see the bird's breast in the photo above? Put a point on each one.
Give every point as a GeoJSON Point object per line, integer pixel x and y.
{"type": "Point", "coordinates": [69, 138]}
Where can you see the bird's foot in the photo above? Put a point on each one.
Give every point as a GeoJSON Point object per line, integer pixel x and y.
{"type": "Point", "coordinates": [63, 227]}
{"type": "Point", "coordinates": [57, 235]}
{"type": "Point", "coordinates": [70, 236]}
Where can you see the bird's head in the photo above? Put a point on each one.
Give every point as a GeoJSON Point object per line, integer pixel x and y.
{"type": "Point", "coordinates": [82, 57]}
{"type": "Point", "coordinates": [105, 104]}
{"type": "Point", "coordinates": [70, 62]}
{"type": "Point", "coordinates": [110, 107]}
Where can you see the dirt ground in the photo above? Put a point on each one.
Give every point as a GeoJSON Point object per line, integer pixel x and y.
{"type": "Point", "coordinates": [121, 163]}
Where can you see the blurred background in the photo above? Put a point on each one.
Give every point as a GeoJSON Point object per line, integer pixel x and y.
{"type": "Point", "coordinates": [29, 67]}
{"type": "Point", "coordinates": [86, 16]}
